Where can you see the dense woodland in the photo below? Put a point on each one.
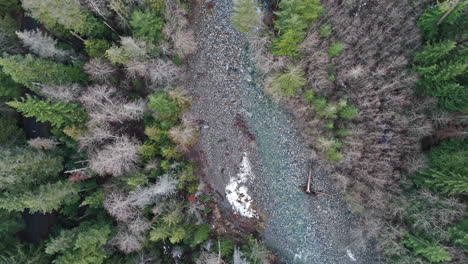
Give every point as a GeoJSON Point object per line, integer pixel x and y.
{"type": "Point", "coordinates": [379, 89]}
{"type": "Point", "coordinates": [109, 165]}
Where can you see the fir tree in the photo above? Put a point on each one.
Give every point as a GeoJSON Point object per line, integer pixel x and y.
{"type": "Point", "coordinates": [59, 114]}
{"type": "Point", "coordinates": [30, 70]}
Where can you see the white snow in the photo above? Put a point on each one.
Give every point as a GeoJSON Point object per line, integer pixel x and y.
{"type": "Point", "coordinates": [236, 191]}
{"type": "Point", "coordinates": [350, 255]}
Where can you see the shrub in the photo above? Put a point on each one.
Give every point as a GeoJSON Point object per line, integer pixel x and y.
{"type": "Point", "coordinates": [290, 81]}
{"type": "Point", "coordinates": [147, 25]}
{"type": "Point", "coordinates": [459, 234]}
{"type": "Point", "coordinates": [325, 30]}
{"type": "Point", "coordinates": [96, 47]}
{"type": "Point", "coordinates": [348, 112]}
{"type": "Point", "coordinates": [335, 49]}
{"type": "Point", "coordinates": [28, 70]}
{"type": "Point", "coordinates": [309, 95]}
{"type": "Point", "coordinates": [155, 5]}
{"type": "Point", "coordinates": [245, 17]}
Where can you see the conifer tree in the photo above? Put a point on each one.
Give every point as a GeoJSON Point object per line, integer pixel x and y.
{"type": "Point", "coordinates": [59, 114]}
{"type": "Point", "coordinates": [65, 14]}
{"type": "Point", "coordinates": [30, 70]}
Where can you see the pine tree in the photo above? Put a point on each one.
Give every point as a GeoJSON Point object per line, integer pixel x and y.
{"type": "Point", "coordinates": [59, 114]}
{"type": "Point", "coordinates": [30, 70]}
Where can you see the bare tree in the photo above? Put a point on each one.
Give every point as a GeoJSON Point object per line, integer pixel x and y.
{"type": "Point", "coordinates": [42, 44]}
{"type": "Point", "coordinates": [64, 93]}
{"type": "Point", "coordinates": [128, 242]}
{"type": "Point", "coordinates": [99, 71]}
{"type": "Point", "coordinates": [116, 158]}
{"type": "Point", "coordinates": [177, 29]}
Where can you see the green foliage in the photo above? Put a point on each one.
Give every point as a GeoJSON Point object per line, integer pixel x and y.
{"type": "Point", "coordinates": [29, 69]}
{"type": "Point", "coordinates": [10, 224]}
{"type": "Point", "coordinates": [25, 254]}
{"type": "Point", "coordinates": [245, 17]}
{"type": "Point", "coordinates": [95, 199]}
{"type": "Point", "coordinates": [459, 234]}
{"type": "Point", "coordinates": [441, 64]}
{"type": "Point", "coordinates": [289, 81]}
{"type": "Point", "coordinates": [10, 133]}
{"type": "Point", "coordinates": [58, 14]}
{"type": "Point", "coordinates": [9, 6]}
{"type": "Point", "coordinates": [293, 22]}
{"type": "Point", "coordinates": [59, 114]}
{"type": "Point", "coordinates": [8, 27]}
{"type": "Point", "coordinates": [335, 49]}
{"type": "Point", "coordinates": [8, 88]}
{"type": "Point", "coordinates": [80, 245]}
{"type": "Point", "coordinates": [341, 132]}
{"type": "Point", "coordinates": [147, 25]}
{"type": "Point", "coordinates": [447, 171]}
{"type": "Point", "coordinates": [164, 106]}
{"type": "Point", "coordinates": [188, 179]}
{"type": "Point", "coordinates": [226, 245]}
{"type": "Point", "coordinates": [348, 112]}
{"type": "Point", "coordinates": [309, 95]}
{"type": "Point", "coordinates": [200, 235]}
{"type": "Point", "coordinates": [155, 5]}
{"type": "Point", "coordinates": [433, 252]}
{"type": "Point", "coordinates": [96, 47]}
{"type": "Point", "coordinates": [325, 30]}
{"type": "Point", "coordinates": [23, 168]}
{"type": "Point", "coordinates": [451, 26]}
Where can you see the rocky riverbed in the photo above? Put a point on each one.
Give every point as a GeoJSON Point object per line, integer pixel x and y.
{"type": "Point", "coordinates": [255, 158]}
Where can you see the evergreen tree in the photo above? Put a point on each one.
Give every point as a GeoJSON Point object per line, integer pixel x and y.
{"type": "Point", "coordinates": [59, 114]}
{"type": "Point", "coordinates": [8, 88]}
{"type": "Point", "coordinates": [147, 25]}
{"type": "Point", "coordinates": [433, 252]}
{"type": "Point", "coordinates": [292, 24]}
{"type": "Point", "coordinates": [290, 81]}
{"type": "Point", "coordinates": [448, 170]}
{"type": "Point", "coordinates": [65, 14]}
{"type": "Point", "coordinates": [30, 179]}
{"type": "Point", "coordinates": [29, 70]}
{"type": "Point", "coordinates": [81, 245]}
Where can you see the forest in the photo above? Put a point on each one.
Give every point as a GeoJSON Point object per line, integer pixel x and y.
{"type": "Point", "coordinates": [100, 147]}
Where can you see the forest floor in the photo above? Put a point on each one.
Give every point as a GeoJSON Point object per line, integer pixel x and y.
{"type": "Point", "coordinates": [252, 149]}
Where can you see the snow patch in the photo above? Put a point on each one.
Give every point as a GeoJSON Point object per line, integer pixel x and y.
{"type": "Point", "coordinates": [350, 255]}
{"type": "Point", "coordinates": [236, 191]}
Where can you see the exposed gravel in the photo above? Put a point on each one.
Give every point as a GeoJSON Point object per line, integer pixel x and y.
{"type": "Point", "coordinates": [237, 120]}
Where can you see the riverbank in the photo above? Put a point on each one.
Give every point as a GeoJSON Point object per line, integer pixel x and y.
{"type": "Point", "coordinates": [238, 122]}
